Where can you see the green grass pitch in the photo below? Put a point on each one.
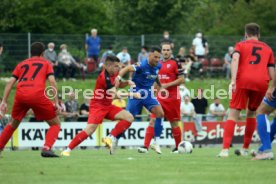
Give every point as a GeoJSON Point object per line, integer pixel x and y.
{"type": "Point", "coordinates": [128, 166]}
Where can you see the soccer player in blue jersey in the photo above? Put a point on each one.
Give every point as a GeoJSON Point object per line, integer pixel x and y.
{"type": "Point", "coordinates": [265, 130]}
{"type": "Point", "coordinates": [145, 74]}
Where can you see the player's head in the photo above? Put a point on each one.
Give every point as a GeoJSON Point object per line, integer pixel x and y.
{"type": "Point", "coordinates": [166, 51]}
{"type": "Point", "coordinates": [37, 49]}
{"type": "Point", "coordinates": [112, 64]}
{"type": "Point", "coordinates": [252, 30]}
{"type": "Point", "coordinates": [154, 56]}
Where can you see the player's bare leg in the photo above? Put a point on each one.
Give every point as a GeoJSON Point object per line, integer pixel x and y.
{"type": "Point", "coordinates": [51, 137]}
{"type": "Point", "coordinates": [125, 122]}
{"type": "Point", "coordinates": [79, 138]}
{"type": "Point", "coordinates": [249, 130]}
{"type": "Point", "coordinates": [159, 113]}
{"type": "Point", "coordinates": [177, 134]}
{"type": "Point", "coordinates": [229, 128]}
{"type": "Point", "coordinates": [7, 133]}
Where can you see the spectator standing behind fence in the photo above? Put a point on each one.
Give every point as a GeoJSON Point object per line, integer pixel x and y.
{"type": "Point", "coordinates": [105, 54]}
{"type": "Point", "coordinates": [227, 61]}
{"type": "Point", "coordinates": [201, 105]}
{"type": "Point", "coordinates": [93, 45]}
{"type": "Point", "coordinates": [72, 108]}
{"type": "Point", "coordinates": [200, 46]}
{"type": "Point", "coordinates": [143, 54]}
{"type": "Point", "coordinates": [124, 57]}
{"type": "Point", "coordinates": [216, 110]}
{"type": "Point", "coordinates": [68, 64]}
{"type": "Point", "coordinates": [166, 39]}
{"type": "Point", "coordinates": [51, 55]}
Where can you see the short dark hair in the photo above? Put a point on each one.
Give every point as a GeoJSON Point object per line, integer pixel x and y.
{"type": "Point", "coordinates": [111, 58]}
{"type": "Point", "coordinates": [37, 48]}
{"type": "Point", "coordinates": [144, 47]}
{"type": "Point", "coordinates": [252, 29]}
{"type": "Point", "coordinates": [155, 48]}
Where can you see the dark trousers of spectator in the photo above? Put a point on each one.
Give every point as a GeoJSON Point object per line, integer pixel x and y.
{"type": "Point", "coordinates": [68, 71]}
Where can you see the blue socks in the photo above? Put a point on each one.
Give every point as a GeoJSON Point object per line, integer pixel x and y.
{"type": "Point", "coordinates": [273, 129]}
{"type": "Point", "coordinates": [158, 127]}
{"type": "Point", "coordinates": [264, 132]}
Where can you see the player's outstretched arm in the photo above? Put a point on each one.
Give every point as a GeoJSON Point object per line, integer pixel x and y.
{"type": "Point", "coordinates": [53, 84]}
{"type": "Point", "coordinates": [234, 70]}
{"type": "Point", "coordinates": [6, 94]}
{"type": "Point", "coordinates": [270, 90]}
{"type": "Point", "coordinates": [177, 82]}
{"type": "Point", "coordinates": [122, 73]}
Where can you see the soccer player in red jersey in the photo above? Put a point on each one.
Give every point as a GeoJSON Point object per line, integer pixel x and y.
{"type": "Point", "coordinates": [251, 68]}
{"type": "Point", "coordinates": [170, 78]}
{"type": "Point", "coordinates": [101, 106]}
{"type": "Point", "coordinates": [31, 75]}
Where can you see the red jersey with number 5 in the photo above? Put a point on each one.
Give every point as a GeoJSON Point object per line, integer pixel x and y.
{"type": "Point", "coordinates": [255, 58]}
{"type": "Point", "coordinates": [31, 75]}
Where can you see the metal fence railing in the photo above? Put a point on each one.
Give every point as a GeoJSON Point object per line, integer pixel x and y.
{"type": "Point", "coordinates": [16, 46]}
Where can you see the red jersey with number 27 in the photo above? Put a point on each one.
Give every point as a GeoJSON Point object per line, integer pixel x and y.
{"type": "Point", "coordinates": [31, 75]}
{"type": "Point", "coordinates": [255, 58]}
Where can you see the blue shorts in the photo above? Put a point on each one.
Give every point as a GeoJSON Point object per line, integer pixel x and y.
{"type": "Point", "coordinates": [135, 106]}
{"type": "Point", "coordinates": [271, 103]}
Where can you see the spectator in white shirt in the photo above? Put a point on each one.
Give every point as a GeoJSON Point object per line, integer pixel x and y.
{"type": "Point", "coordinates": [188, 113]}
{"type": "Point", "coordinates": [183, 91]}
{"type": "Point", "coordinates": [200, 46]}
{"type": "Point", "coordinates": [124, 57]}
{"type": "Point", "coordinates": [216, 109]}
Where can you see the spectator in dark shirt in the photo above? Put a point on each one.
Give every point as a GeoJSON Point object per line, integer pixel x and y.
{"type": "Point", "coordinates": [84, 110]}
{"type": "Point", "coordinates": [201, 105]}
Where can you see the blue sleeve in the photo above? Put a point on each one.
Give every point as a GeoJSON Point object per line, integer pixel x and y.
{"type": "Point", "coordinates": [87, 41]}
{"type": "Point", "coordinates": [137, 68]}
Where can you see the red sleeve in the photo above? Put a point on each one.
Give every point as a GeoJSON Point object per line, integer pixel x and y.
{"type": "Point", "coordinates": [16, 72]}
{"type": "Point", "coordinates": [50, 70]}
{"type": "Point", "coordinates": [237, 48]}
{"type": "Point", "coordinates": [101, 82]}
{"type": "Point", "coordinates": [271, 61]}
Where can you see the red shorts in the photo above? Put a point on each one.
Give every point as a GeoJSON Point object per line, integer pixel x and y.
{"type": "Point", "coordinates": [42, 107]}
{"type": "Point", "coordinates": [246, 98]}
{"type": "Point", "coordinates": [97, 113]}
{"type": "Point", "coordinates": [171, 108]}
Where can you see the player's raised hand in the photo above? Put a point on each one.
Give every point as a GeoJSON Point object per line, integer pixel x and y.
{"type": "Point", "coordinates": [269, 93]}
{"type": "Point", "coordinates": [3, 109]}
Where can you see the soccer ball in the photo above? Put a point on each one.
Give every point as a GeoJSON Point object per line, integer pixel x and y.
{"type": "Point", "coordinates": [185, 147]}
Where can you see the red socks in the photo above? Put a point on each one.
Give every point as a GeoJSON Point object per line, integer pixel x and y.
{"type": "Point", "coordinates": [149, 135]}
{"type": "Point", "coordinates": [77, 140]}
{"type": "Point", "coordinates": [177, 135]}
{"type": "Point", "coordinates": [228, 133]}
{"type": "Point", "coordinates": [249, 130]}
{"type": "Point", "coordinates": [51, 136]}
{"type": "Point", "coordinates": [120, 127]}
{"type": "Point", "coordinates": [6, 135]}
